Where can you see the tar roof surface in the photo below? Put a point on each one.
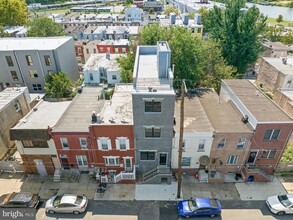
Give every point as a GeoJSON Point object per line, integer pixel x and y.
{"type": "Point", "coordinates": [77, 118]}
{"type": "Point", "coordinates": [260, 106]}
{"type": "Point", "coordinates": [195, 119]}
{"type": "Point", "coordinates": [44, 114]}
{"type": "Point", "coordinates": [222, 116]}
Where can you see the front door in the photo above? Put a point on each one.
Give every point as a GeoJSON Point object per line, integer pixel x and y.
{"type": "Point", "coordinates": [82, 163]}
{"type": "Point", "coordinates": [252, 156]}
{"type": "Point", "coordinates": [41, 167]}
{"type": "Point", "coordinates": [163, 159]}
{"type": "Point", "coordinates": [64, 162]}
{"type": "Point", "coordinates": [127, 164]}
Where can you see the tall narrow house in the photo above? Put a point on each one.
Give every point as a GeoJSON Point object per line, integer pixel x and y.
{"type": "Point", "coordinates": [153, 101]}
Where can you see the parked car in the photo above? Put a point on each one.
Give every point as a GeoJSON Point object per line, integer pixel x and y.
{"type": "Point", "coordinates": [19, 200]}
{"type": "Point", "coordinates": [199, 207]}
{"type": "Point", "coordinates": [66, 203]}
{"type": "Point", "coordinates": [281, 204]}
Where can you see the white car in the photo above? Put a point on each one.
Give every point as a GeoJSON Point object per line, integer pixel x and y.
{"type": "Point", "coordinates": [66, 203]}
{"type": "Point", "coordinates": [281, 204]}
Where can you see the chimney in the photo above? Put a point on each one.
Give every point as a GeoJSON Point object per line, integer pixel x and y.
{"type": "Point", "coordinates": [172, 18]}
{"type": "Point", "coordinates": [108, 56]}
{"type": "Point", "coordinates": [94, 117]}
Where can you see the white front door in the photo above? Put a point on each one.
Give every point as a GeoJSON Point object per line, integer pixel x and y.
{"type": "Point", "coordinates": [82, 163]}
{"type": "Point", "coordinates": [41, 167]}
{"type": "Point", "coordinates": [127, 164]}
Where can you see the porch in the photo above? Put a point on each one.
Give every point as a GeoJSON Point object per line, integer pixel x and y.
{"type": "Point", "coordinates": [112, 177]}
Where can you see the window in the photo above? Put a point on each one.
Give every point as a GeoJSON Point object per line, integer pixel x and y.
{"type": "Point", "coordinates": [50, 72]}
{"type": "Point", "coordinates": [104, 144]}
{"type": "Point", "coordinates": [47, 60]}
{"type": "Point", "coordinates": [232, 159]}
{"type": "Point", "coordinates": [201, 144]}
{"type": "Point", "coordinates": [81, 160]}
{"type": "Point", "coordinates": [241, 144]}
{"type": "Point", "coordinates": [152, 132]}
{"type": "Point", "coordinates": [91, 77]}
{"type": "Point", "coordinates": [83, 143]}
{"type": "Point", "coordinates": [198, 30]}
{"type": "Point", "coordinates": [111, 161]}
{"type": "Point", "coordinates": [87, 51]}
{"type": "Point", "coordinates": [29, 60]}
{"type": "Point", "coordinates": [272, 134]}
{"type": "Point", "coordinates": [147, 155]}
{"type": "Point", "coordinates": [17, 107]}
{"type": "Point", "coordinates": [116, 50]}
{"type": "Point", "coordinates": [221, 143]}
{"type": "Point", "coordinates": [14, 75]}
{"type": "Point", "coordinates": [79, 51]}
{"type": "Point", "coordinates": [9, 60]}
{"type": "Point", "coordinates": [34, 144]}
{"type": "Point", "coordinates": [108, 49]}
{"type": "Point", "coordinates": [95, 51]}
{"type": "Point", "coordinates": [64, 143]}
{"type": "Point", "coordinates": [37, 87]}
{"type": "Point", "coordinates": [122, 143]}
{"type": "Point", "coordinates": [123, 50]}
{"type": "Point", "coordinates": [114, 77]}
{"type": "Point", "coordinates": [186, 161]}
{"type": "Point", "coordinates": [152, 106]}
{"type": "Point", "coordinates": [101, 50]}
{"type": "Point", "coordinates": [268, 154]}
{"type": "Point", "coordinates": [183, 145]}
{"type": "Point", "coordinates": [33, 73]}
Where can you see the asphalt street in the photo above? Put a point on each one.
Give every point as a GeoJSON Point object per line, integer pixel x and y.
{"type": "Point", "coordinates": [159, 210]}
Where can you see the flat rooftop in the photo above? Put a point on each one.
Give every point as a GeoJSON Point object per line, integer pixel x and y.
{"type": "Point", "coordinates": [118, 110]}
{"type": "Point", "coordinates": [32, 43]}
{"type": "Point", "coordinates": [286, 69]}
{"type": "Point", "coordinates": [287, 92]}
{"type": "Point", "coordinates": [99, 60]}
{"type": "Point", "coordinates": [260, 106]}
{"type": "Point", "coordinates": [195, 118]}
{"type": "Point", "coordinates": [77, 118]}
{"type": "Point", "coordinates": [44, 114]}
{"type": "Point", "coordinates": [9, 94]}
{"type": "Point", "coordinates": [222, 116]}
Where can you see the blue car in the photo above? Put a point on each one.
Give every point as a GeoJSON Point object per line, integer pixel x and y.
{"type": "Point", "coordinates": [199, 207]}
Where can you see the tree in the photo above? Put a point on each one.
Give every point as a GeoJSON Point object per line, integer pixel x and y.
{"type": "Point", "coordinates": [288, 154]}
{"type": "Point", "coordinates": [129, 2]}
{"type": "Point", "coordinates": [237, 33]}
{"type": "Point", "coordinates": [170, 9]}
{"type": "Point", "coordinates": [13, 12]}
{"type": "Point", "coordinates": [279, 18]}
{"type": "Point", "coordinates": [58, 85]}
{"type": "Point", "coordinates": [44, 27]}
{"type": "Point", "coordinates": [274, 33]}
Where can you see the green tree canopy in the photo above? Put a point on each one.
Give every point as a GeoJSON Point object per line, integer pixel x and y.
{"type": "Point", "coordinates": [200, 63]}
{"type": "Point", "coordinates": [58, 85]}
{"type": "Point", "coordinates": [44, 27]}
{"type": "Point", "coordinates": [279, 18]}
{"type": "Point", "coordinates": [13, 12]}
{"type": "Point", "coordinates": [170, 9]}
{"type": "Point", "coordinates": [237, 32]}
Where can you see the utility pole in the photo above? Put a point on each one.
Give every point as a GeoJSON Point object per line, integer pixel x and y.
{"type": "Point", "coordinates": [183, 89]}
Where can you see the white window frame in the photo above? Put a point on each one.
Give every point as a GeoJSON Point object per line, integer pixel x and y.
{"type": "Point", "coordinates": [83, 160]}
{"type": "Point", "coordinates": [220, 142]}
{"type": "Point", "coordinates": [272, 133]}
{"type": "Point", "coordinates": [201, 145]}
{"type": "Point", "coordinates": [116, 50]}
{"type": "Point", "coordinates": [83, 146]}
{"type": "Point", "coordinates": [118, 143]}
{"type": "Point", "coordinates": [232, 160]}
{"type": "Point", "coordinates": [268, 154]}
{"type": "Point", "coordinates": [153, 131]}
{"type": "Point", "coordinates": [62, 143]}
{"type": "Point", "coordinates": [241, 143]}
{"type": "Point", "coordinates": [100, 144]}
{"type": "Point", "coordinates": [109, 158]}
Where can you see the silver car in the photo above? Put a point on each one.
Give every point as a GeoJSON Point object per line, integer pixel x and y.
{"type": "Point", "coordinates": [67, 203]}
{"type": "Point", "coordinates": [281, 204]}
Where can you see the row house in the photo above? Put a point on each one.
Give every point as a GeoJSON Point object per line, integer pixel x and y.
{"type": "Point", "coordinates": [153, 100]}
{"type": "Point", "coordinates": [27, 61]}
{"type": "Point", "coordinates": [90, 48]}
{"type": "Point", "coordinates": [230, 143]}
{"type": "Point", "coordinates": [102, 68]}
{"type": "Point", "coordinates": [79, 52]}
{"type": "Point", "coordinates": [113, 46]}
{"type": "Point", "coordinates": [133, 13]}
{"type": "Point", "coordinates": [272, 127]}
{"type": "Point", "coordinates": [33, 141]}
{"type": "Point", "coordinates": [98, 136]}
{"type": "Point", "coordinates": [14, 105]}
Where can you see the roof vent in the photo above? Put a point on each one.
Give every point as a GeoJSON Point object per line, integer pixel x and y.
{"type": "Point", "coordinates": [284, 60]}
{"type": "Point", "coordinates": [150, 89]}
{"type": "Point", "coordinates": [245, 119]}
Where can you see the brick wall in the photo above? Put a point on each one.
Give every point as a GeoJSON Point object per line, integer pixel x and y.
{"type": "Point", "coordinates": [29, 166]}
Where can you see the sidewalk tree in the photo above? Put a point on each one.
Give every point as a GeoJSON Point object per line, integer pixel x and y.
{"type": "Point", "coordinates": [279, 18]}
{"type": "Point", "coordinates": [13, 12]}
{"type": "Point", "coordinates": [237, 32]}
{"type": "Point", "coordinates": [58, 85]}
{"type": "Point", "coordinates": [44, 27]}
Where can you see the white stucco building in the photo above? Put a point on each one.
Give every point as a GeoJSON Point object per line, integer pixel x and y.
{"type": "Point", "coordinates": [133, 13]}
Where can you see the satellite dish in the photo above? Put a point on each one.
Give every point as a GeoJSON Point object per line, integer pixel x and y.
{"type": "Point", "coordinates": [204, 160]}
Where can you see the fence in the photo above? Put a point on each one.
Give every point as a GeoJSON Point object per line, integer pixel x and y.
{"type": "Point", "coordinates": [284, 167]}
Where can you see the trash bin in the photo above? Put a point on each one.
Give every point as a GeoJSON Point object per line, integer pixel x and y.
{"type": "Point", "coordinates": [238, 176]}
